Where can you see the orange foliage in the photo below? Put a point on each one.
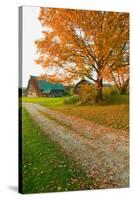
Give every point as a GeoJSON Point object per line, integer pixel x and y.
{"type": "Point", "coordinates": [120, 75]}
{"type": "Point", "coordinates": [81, 43]}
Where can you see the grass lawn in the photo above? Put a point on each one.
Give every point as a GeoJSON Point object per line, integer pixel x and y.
{"type": "Point", "coordinates": [115, 115]}
{"type": "Point", "coordinates": [46, 101]}
{"type": "Point", "coordinates": [45, 167]}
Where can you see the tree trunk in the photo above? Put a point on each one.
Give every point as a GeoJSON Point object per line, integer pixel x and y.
{"type": "Point", "coordinates": [99, 96]}
{"type": "Point", "coordinates": [123, 90]}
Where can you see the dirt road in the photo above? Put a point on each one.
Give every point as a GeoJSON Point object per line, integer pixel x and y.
{"type": "Point", "coordinates": [102, 152]}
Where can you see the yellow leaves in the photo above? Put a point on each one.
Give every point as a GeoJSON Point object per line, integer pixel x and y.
{"type": "Point", "coordinates": [105, 73]}
{"type": "Point", "coordinates": [86, 38]}
{"type": "Point", "coordinates": [41, 77]}
{"type": "Point", "coordinates": [37, 62]}
{"type": "Point", "coordinates": [122, 69]}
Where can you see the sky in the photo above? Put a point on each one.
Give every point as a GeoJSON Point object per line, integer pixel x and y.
{"type": "Point", "coordinates": [32, 31]}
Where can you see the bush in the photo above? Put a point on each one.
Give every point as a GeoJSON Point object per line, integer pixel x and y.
{"type": "Point", "coordinates": [88, 94]}
{"type": "Point", "coordinates": [114, 90]}
{"type": "Point", "coordinates": [66, 93]}
{"type": "Point", "coordinates": [72, 99]}
{"type": "Point", "coordinates": [71, 92]}
{"type": "Point", "coordinates": [107, 93]}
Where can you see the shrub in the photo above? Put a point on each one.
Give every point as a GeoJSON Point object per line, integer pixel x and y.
{"type": "Point", "coordinates": [66, 93]}
{"type": "Point", "coordinates": [107, 92]}
{"type": "Point", "coordinates": [71, 92]}
{"type": "Point", "coordinates": [72, 99]}
{"type": "Point", "coordinates": [114, 90]}
{"type": "Point", "coordinates": [88, 94]}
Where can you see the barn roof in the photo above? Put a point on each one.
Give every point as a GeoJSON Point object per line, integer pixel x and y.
{"type": "Point", "coordinates": [90, 82]}
{"type": "Point", "coordinates": [83, 80]}
{"type": "Point", "coordinates": [46, 86]}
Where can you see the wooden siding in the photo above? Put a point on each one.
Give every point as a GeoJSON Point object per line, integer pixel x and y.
{"type": "Point", "coordinates": [33, 89]}
{"type": "Point", "coordinates": [79, 86]}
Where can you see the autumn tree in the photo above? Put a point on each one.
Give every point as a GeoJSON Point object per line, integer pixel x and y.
{"type": "Point", "coordinates": [119, 73]}
{"type": "Point", "coordinates": [120, 76]}
{"type": "Point", "coordinates": [81, 44]}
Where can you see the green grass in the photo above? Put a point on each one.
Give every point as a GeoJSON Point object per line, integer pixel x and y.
{"type": "Point", "coordinates": [119, 99]}
{"type": "Point", "coordinates": [59, 101]}
{"type": "Point", "coordinates": [45, 167]}
{"type": "Point", "coordinates": [45, 101]}
{"type": "Point", "coordinates": [115, 115]}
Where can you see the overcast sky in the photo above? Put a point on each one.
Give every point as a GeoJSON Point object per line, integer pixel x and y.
{"type": "Point", "coordinates": [31, 32]}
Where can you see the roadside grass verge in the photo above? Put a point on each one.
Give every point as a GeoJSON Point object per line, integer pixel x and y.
{"type": "Point", "coordinates": [59, 101]}
{"type": "Point", "coordinates": [119, 99]}
{"type": "Point", "coordinates": [115, 115]}
{"type": "Point", "coordinates": [45, 166]}
{"type": "Point", "coordinates": [45, 101]}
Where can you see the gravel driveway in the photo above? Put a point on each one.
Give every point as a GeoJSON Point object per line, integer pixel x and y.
{"type": "Point", "coordinates": [102, 152]}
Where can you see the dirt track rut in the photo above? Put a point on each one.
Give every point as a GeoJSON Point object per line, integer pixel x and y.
{"type": "Point", "coordinates": [102, 152]}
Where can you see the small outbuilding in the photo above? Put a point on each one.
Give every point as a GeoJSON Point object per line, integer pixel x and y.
{"type": "Point", "coordinates": [41, 88]}
{"type": "Point", "coordinates": [80, 86]}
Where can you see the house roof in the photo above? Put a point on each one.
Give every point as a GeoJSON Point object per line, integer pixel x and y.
{"type": "Point", "coordinates": [46, 86]}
